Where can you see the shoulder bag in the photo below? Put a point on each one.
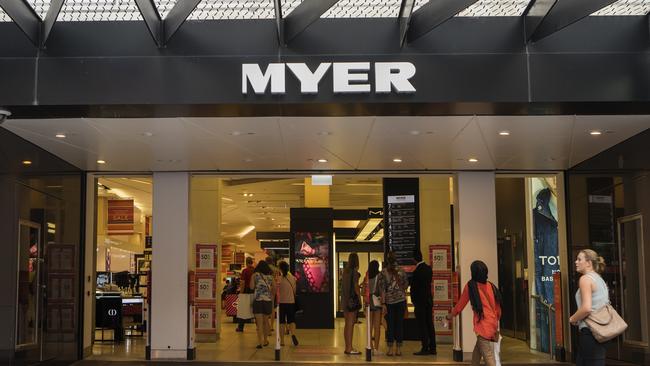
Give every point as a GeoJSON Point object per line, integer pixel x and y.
{"type": "Point", "coordinates": [296, 303]}
{"type": "Point", "coordinates": [605, 323]}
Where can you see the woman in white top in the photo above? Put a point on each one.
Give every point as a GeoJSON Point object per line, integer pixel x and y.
{"type": "Point", "coordinates": [287, 304]}
{"type": "Point", "coordinates": [592, 295]}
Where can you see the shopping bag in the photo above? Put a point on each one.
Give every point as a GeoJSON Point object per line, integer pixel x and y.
{"type": "Point", "coordinates": [497, 349]}
{"type": "Point", "coordinates": [245, 306]}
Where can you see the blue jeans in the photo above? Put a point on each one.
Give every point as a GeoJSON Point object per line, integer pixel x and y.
{"type": "Point", "coordinates": [395, 322]}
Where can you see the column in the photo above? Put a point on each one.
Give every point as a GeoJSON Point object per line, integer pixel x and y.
{"type": "Point", "coordinates": [476, 233]}
{"type": "Point", "coordinates": [169, 306]}
{"type": "Point", "coordinates": [205, 224]}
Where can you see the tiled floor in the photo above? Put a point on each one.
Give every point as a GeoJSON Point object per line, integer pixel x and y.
{"type": "Point", "coordinates": [315, 346]}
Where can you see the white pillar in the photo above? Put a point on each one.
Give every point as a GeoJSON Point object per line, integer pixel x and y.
{"type": "Point", "coordinates": [169, 266]}
{"type": "Point", "coordinates": [476, 233]}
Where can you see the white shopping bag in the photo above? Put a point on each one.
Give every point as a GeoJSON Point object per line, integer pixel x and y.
{"type": "Point", "coordinates": [245, 306]}
{"type": "Point", "coordinates": [497, 350]}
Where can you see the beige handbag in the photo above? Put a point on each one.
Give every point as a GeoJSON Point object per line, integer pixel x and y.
{"type": "Point", "coordinates": [605, 323]}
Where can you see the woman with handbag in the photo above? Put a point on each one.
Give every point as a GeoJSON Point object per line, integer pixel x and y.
{"type": "Point", "coordinates": [592, 295]}
{"type": "Point", "coordinates": [393, 284]}
{"type": "Point", "coordinates": [287, 303]}
{"type": "Point", "coordinates": [350, 300]}
{"type": "Point", "coordinates": [485, 299]}
{"type": "Point", "coordinates": [371, 288]}
{"type": "Point", "coordinates": [264, 292]}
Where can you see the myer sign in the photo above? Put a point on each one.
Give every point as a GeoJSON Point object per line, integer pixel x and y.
{"type": "Point", "coordinates": [348, 77]}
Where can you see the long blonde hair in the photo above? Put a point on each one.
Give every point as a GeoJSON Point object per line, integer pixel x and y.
{"type": "Point", "coordinates": [597, 262]}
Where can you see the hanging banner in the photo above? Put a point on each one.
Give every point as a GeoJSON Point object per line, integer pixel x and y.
{"type": "Point", "coordinates": [120, 215]}
{"type": "Point", "coordinates": [227, 252]}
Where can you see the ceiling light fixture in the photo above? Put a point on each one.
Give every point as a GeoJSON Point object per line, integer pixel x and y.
{"type": "Point", "coordinates": [397, 160]}
{"type": "Point", "coordinates": [472, 160]}
{"type": "Point", "coordinates": [101, 162]}
{"type": "Point", "coordinates": [504, 133]}
{"type": "Point", "coordinates": [414, 132]}
{"type": "Point", "coordinates": [324, 133]}
{"type": "Point", "coordinates": [147, 134]}
{"type": "Point", "coordinates": [368, 228]}
{"type": "Point", "coordinates": [246, 231]}
{"type": "Point", "coordinates": [60, 135]}
{"type": "Point", "coordinates": [27, 162]}
{"type": "Point", "coordinates": [595, 133]}
{"type": "Point", "coordinates": [322, 160]}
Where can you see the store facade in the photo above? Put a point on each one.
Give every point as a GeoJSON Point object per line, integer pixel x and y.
{"type": "Point", "coordinates": [256, 72]}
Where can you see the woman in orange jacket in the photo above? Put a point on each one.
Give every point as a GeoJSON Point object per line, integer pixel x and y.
{"type": "Point", "coordinates": [486, 304]}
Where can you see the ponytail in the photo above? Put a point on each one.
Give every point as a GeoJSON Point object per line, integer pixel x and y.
{"type": "Point", "coordinates": [597, 262]}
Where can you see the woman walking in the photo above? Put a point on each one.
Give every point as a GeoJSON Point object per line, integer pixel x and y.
{"type": "Point", "coordinates": [371, 288]}
{"type": "Point", "coordinates": [287, 303]}
{"type": "Point", "coordinates": [262, 283]}
{"type": "Point", "coordinates": [393, 284]}
{"type": "Point", "coordinates": [350, 300]}
{"type": "Point", "coordinates": [485, 299]}
{"type": "Point", "coordinates": [592, 295]}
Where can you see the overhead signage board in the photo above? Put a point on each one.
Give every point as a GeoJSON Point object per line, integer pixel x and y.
{"type": "Point", "coordinates": [347, 77]}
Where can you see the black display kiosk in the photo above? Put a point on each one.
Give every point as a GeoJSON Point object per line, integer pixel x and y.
{"type": "Point", "coordinates": [312, 261]}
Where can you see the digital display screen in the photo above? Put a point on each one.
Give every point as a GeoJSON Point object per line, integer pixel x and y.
{"type": "Point", "coordinates": [312, 262]}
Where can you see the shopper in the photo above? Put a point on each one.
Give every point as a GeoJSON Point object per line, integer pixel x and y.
{"type": "Point", "coordinates": [350, 300]}
{"type": "Point", "coordinates": [422, 299]}
{"type": "Point", "coordinates": [263, 284]}
{"type": "Point", "coordinates": [276, 280]}
{"type": "Point", "coordinates": [244, 287]}
{"type": "Point", "coordinates": [373, 298]}
{"type": "Point", "coordinates": [393, 284]}
{"type": "Point", "coordinates": [485, 299]}
{"type": "Point", "coordinates": [592, 295]}
{"type": "Point", "coordinates": [287, 304]}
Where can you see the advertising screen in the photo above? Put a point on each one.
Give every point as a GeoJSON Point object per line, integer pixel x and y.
{"type": "Point", "coordinates": [312, 262]}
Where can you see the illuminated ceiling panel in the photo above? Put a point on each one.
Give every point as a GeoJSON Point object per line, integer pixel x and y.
{"type": "Point", "coordinates": [4, 17]}
{"type": "Point", "coordinates": [626, 7]}
{"type": "Point", "coordinates": [495, 8]}
{"type": "Point", "coordinates": [99, 10]}
{"type": "Point", "coordinates": [40, 6]}
{"type": "Point", "coordinates": [364, 9]}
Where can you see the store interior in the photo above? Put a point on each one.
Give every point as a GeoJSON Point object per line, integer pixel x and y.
{"type": "Point", "coordinates": [253, 219]}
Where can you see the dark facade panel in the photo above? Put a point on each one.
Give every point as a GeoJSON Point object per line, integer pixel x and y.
{"type": "Point", "coordinates": [215, 80]}
{"type": "Point", "coordinates": [17, 81]}
{"type": "Point", "coordinates": [582, 77]}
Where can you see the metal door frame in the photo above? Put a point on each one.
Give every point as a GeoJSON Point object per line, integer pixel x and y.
{"type": "Point", "coordinates": [622, 220]}
{"type": "Point", "coordinates": [39, 329]}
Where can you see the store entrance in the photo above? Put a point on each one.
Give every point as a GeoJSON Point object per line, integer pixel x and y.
{"type": "Point", "coordinates": [122, 267]}
{"type": "Point", "coordinates": [528, 225]}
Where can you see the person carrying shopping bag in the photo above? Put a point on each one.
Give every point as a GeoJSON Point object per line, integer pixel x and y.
{"type": "Point", "coordinates": [485, 299]}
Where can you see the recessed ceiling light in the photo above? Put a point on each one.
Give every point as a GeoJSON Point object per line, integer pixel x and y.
{"type": "Point", "coordinates": [324, 133]}
{"type": "Point", "coordinates": [147, 134]}
{"type": "Point", "coordinates": [397, 160]}
{"type": "Point", "coordinates": [414, 132]}
{"type": "Point", "coordinates": [27, 162]}
{"type": "Point", "coordinates": [239, 133]}
{"type": "Point", "coordinates": [60, 135]}
{"type": "Point", "coordinates": [322, 160]}
{"type": "Point", "coordinates": [101, 162]}
{"type": "Point", "coordinates": [248, 160]}
{"type": "Point", "coordinates": [472, 160]}
{"type": "Point", "coordinates": [595, 133]}
{"type": "Point", "coordinates": [504, 133]}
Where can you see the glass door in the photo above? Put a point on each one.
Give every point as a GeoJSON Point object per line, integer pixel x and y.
{"type": "Point", "coordinates": [632, 286]}
{"type": "Point", "coordinates": [28, 306]}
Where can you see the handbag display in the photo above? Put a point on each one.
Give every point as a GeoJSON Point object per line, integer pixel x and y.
{"type": "Point", "coordinates": [605, 323]}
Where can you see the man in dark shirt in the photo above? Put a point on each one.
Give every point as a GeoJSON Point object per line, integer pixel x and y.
{"type": "Point", "coordinates": [422, 298]}
{"type": "Point", "coordinates": [244, 287]}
